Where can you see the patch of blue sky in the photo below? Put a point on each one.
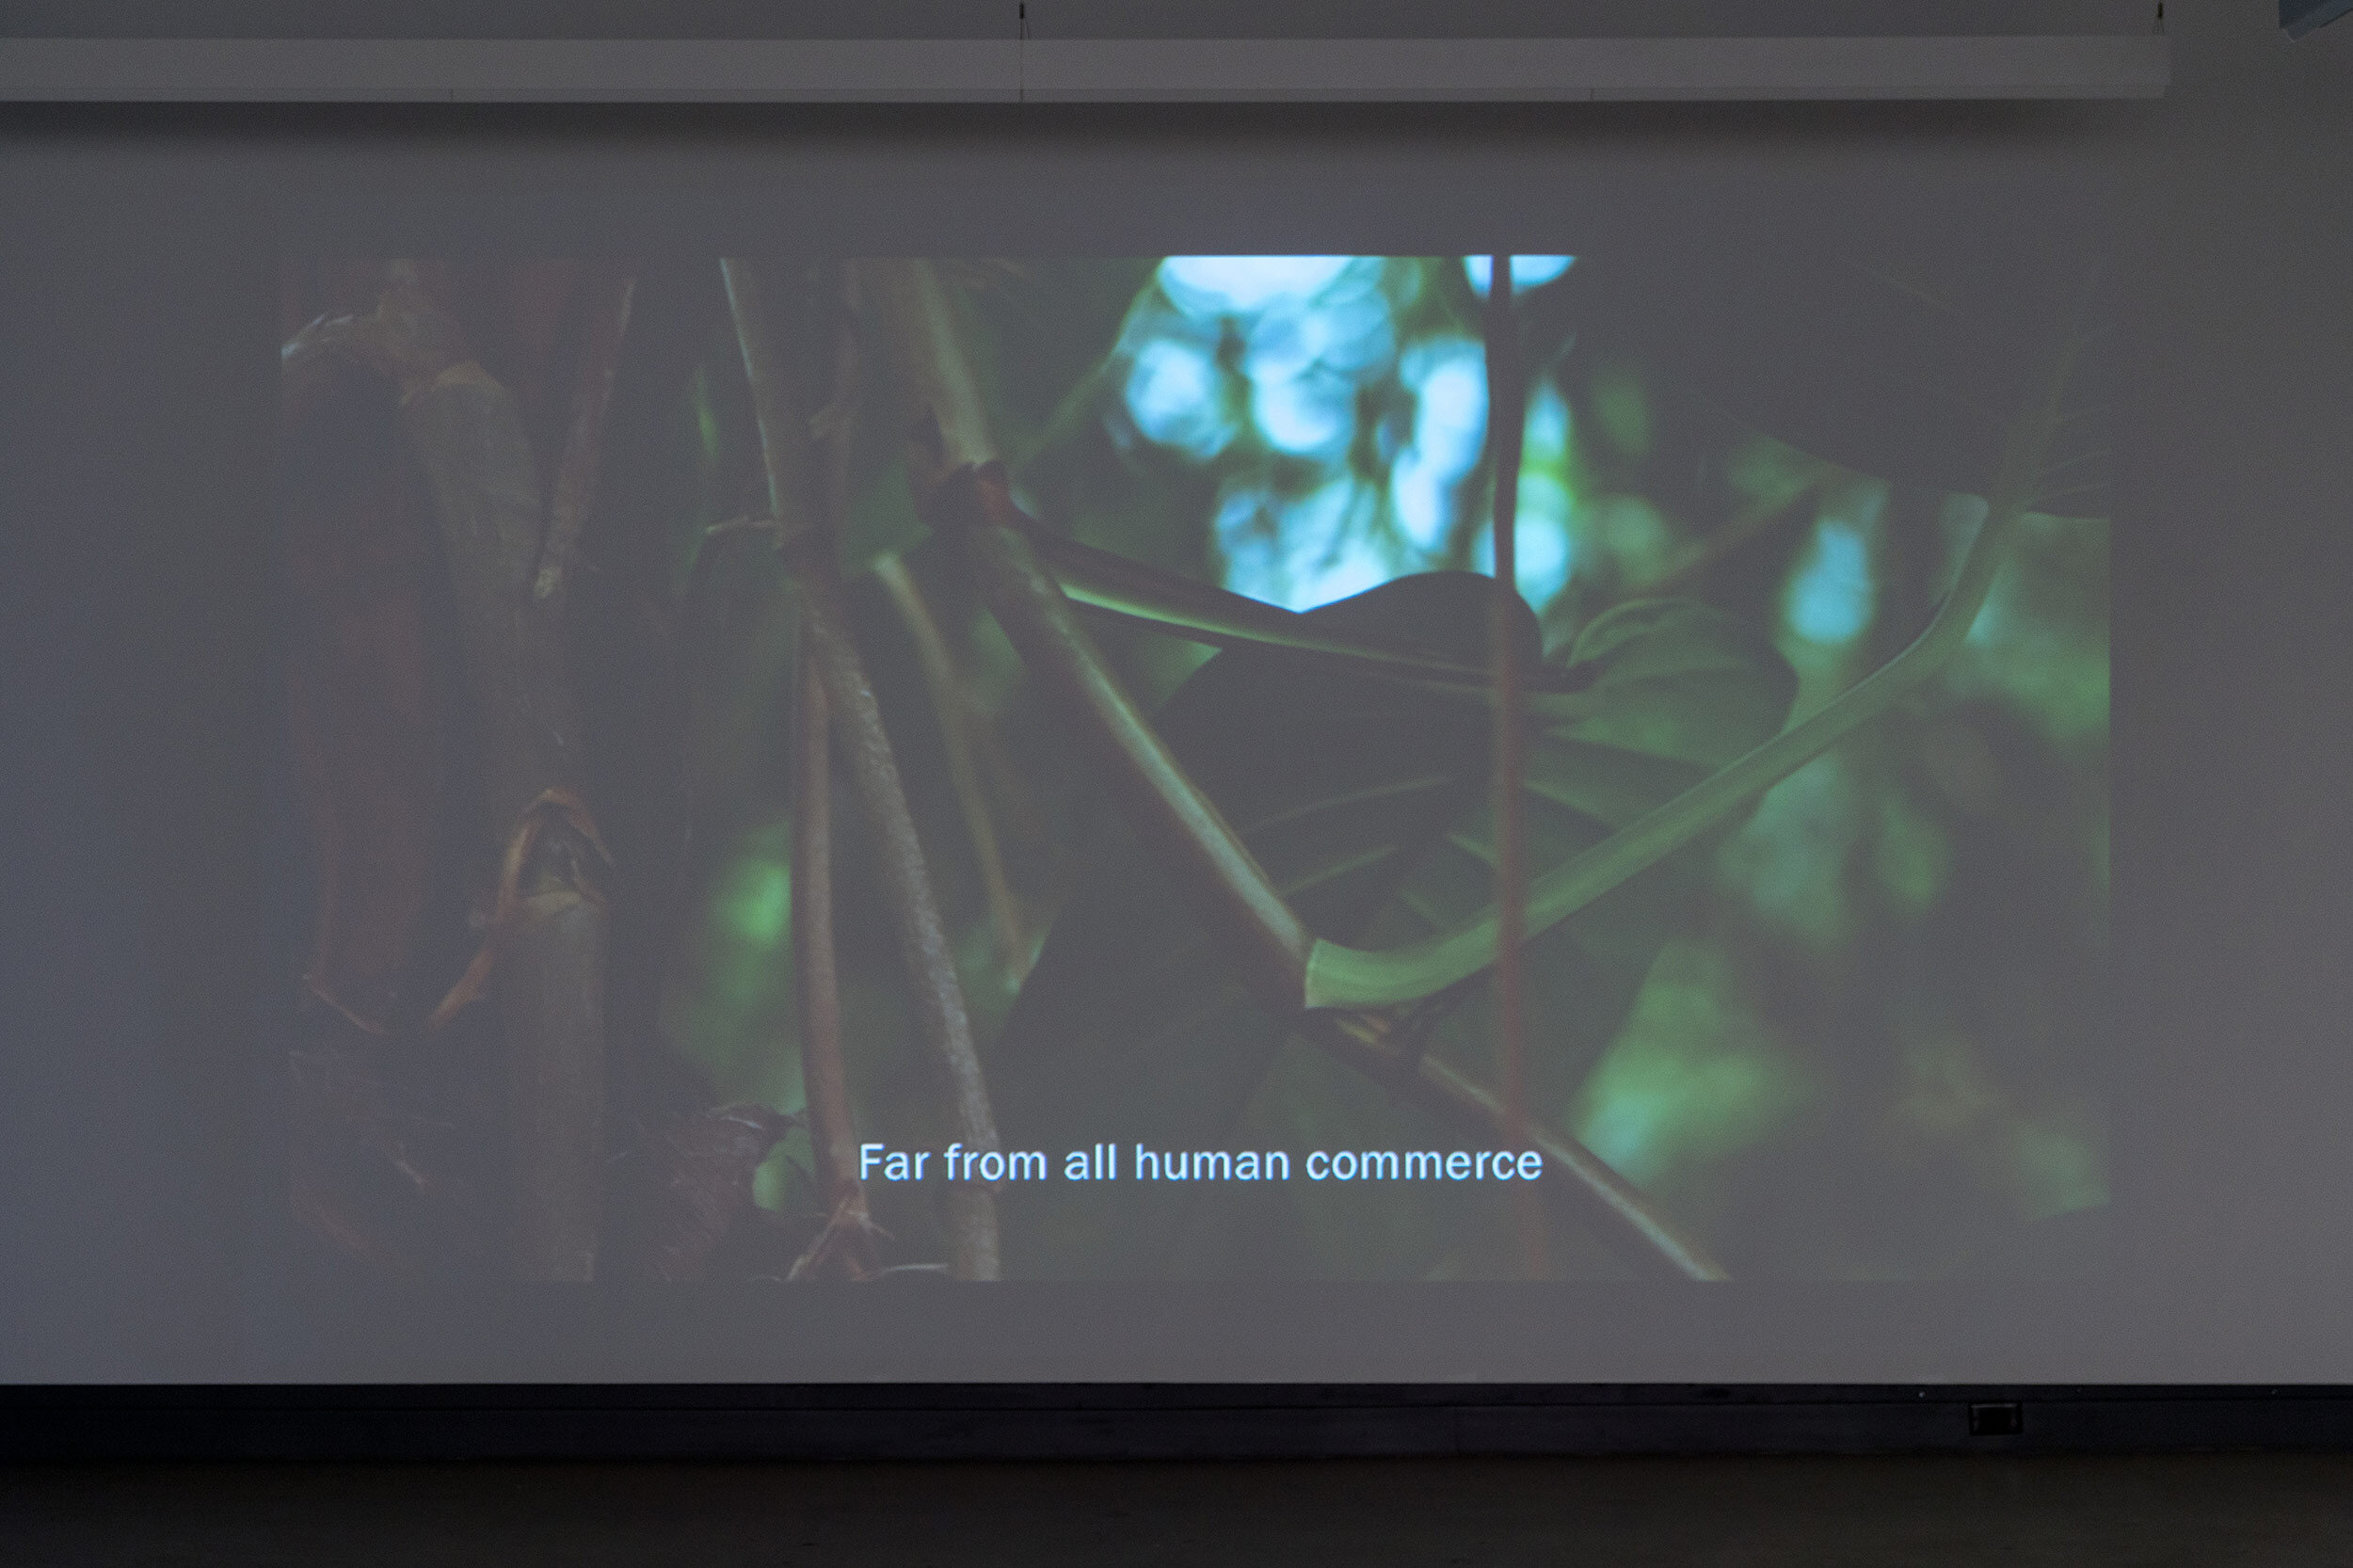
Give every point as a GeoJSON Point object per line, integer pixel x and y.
{"type": "Point", "coordinates": [1547, 500]}
{"type": "Point", "coordinates": [1543, 537]}
{"type": "Point", "coordinates": [1540, 535]}
{"type": "Point", "coordinates": [1528, 272]}
{"type": "Point", "coordinates": [1244, 285]}
{"type": "Point", "coordinates": [1175, 396]}
{"type": "Point", "coordinates": [1545, 441]}
{"type": "Point", "coordinates": [1421, 500]}
{"type": "Point", "coordinates": [1350, 335]}
{"type": "Point", "coordinates": [1305, 363]}
{"type": "Point", "coordinates": [1301, 553]}
{"type": "Point", "coordinates": [1831, 598]}
{"type": "Point", "coordinates": [1447, 377]}
{"type": "Point", "coordinates": [1312, 415]}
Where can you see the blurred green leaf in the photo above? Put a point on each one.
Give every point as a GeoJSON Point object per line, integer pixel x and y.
{"type": "Point", "coordinates": [1038, 333]}
{"type": "Point", "coordinates": [1671, 691]}
{"type": "Point", "coordinates": [1903, 361]}
{"type": "Point", "coordinates": [882, 521]}
{"type": "Point", "coordinates": [1368, 805]}
{"type": "Point", "coordinates": [1182, 606]}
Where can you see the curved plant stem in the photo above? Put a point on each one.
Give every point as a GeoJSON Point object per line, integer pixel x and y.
{"type": "Point", "coordinates": [1350, 977]}
{"type": "Point", "coordinates": [949, 703]}
{"type": "Point", "coordinates": [845, 1246]}
{"type": "Point", "coordinates": [1507, 423]}
{"type": "Point", "coordinates": [938, 998]}
{"type": "Point", "coordinates": [1181, 826]}
{"type": "Point", "coordinates": [960, 484]}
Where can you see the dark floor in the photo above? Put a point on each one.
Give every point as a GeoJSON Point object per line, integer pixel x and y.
{"type": "Point", "coordinates": [2276, 1511]}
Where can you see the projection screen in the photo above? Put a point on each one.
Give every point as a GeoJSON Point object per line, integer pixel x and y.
{"type": "Point", "coordinates": [655, 749]}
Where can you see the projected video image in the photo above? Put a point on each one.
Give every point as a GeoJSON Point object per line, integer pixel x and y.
{"type": "Point", "coordinates": [1203, 768]}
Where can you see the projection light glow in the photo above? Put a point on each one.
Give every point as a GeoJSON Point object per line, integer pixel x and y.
{"type": "Point", "coordinates": [1528, 272]}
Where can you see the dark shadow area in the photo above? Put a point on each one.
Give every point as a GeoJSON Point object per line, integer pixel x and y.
{"type": "Point", "coordinates": [2282, 1511]}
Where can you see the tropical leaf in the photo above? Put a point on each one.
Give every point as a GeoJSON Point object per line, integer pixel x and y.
{"type": "Point", "coordinates": [1343, 976]}
{"type": "Point", "coordinates": [1368, 803]}
{"type": "Point", "coordinates": [1181, 606]}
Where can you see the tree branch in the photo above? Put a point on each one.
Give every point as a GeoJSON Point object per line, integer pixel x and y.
{"type": "Point", "coordinates": [940, 1015]}
{"type": "Point", "coordinates": [1593, 1195]}
{"type": "Point", "coordinates": [962, 487]}
{"type": "Point", "coordinates": [1182, 827]}
{"type": "Point", "coordinates": [846, 1243]}
{"type": "Point", "coordinates": [833, 1137]}
{"type": "Point", "coordinates": [949, 705]}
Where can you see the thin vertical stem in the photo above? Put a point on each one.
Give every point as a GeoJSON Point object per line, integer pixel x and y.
{"type": "Point", "coordinates": [948, 702]}
{"type": "Point", "coordinates": [1507, 422]}
{"type": "Point", "coordinates": [471, 441]}
{"type": "Point", "coordinates": [816, 988]}
{"type": "Point", "coordinates": [941, 1019]}
{"type": "Point", "coordinates": [1178, 823]}
{"type": "Point", "coordinates": [846, 1243]}
{"type": "Point", "coordinates": [959, 484]}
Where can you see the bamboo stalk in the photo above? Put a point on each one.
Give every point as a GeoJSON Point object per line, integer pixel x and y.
{"type": "Point", "coordinates": [469, 438]}
{"type": "Point", "coordinates": [610, 290]}
{"type": "Point", "coordinates": [941, 1019]}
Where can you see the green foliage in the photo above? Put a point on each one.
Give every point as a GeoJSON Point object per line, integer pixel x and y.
{"type": "Point", "coordinates": [1874, 1044]}
{"type": "Point", "coordinates": [1368, 805]}
{"type": "Point", "coordinates": [738, 1005]}
{"type": "Point", "coordinates": [1905, 360]}
{"type": "Point", "coordinates": [1037, 333]}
